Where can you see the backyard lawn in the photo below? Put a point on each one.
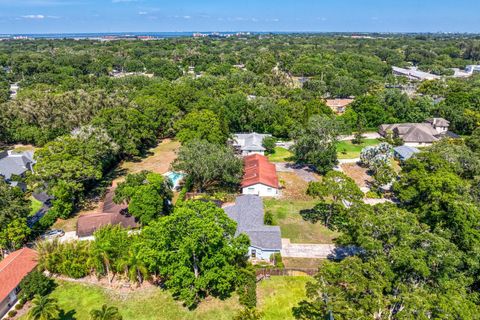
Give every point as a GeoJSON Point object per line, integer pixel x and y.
{"type": "Point", "coordinates": [276, 298]}
{"type": "Point", "coordinates": [286, 214]}
{"type": "Point", "coordinates": [348, 150]}
{"type": "Point", "coordinates": [280, 155]}
{"type": "Point", "coordinates": [35, 205]}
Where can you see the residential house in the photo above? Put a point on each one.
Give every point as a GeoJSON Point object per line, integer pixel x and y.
{"type": "Point", "coordinates": [15, 164]}
{"type": "Point", "coordinates": [111, 214]}
{"type": "Point", "coordinates": [413, 73]}
{"type": "Point", "coordinates": [249, 214]}
{"type": "Point", "coordinates": [260, 177]}
{"type": "Point", "coordinates": [12, 271]}
{"type": "Point", "coordinates": [338, 106]}
{"type": "Point", "coordinates": [403, 153]}
{"type": "Point", "coordinates": [249, 143]}
{"type": "Point", "coordinates": [418, 134]}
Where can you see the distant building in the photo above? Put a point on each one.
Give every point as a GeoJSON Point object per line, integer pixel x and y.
{"type": "Point", "coordinates": [249, 214]}
{"type": "Point", "coordinates": [418, 134]}
{"type": "Point", "coordinates": [473, 68]}
{"type": "Point", "coordinates": [338, 106]}
{"type": "Point", "coordinates": [403, 153]}
{"type": "Point", "coordinates": [249, 143]}
{"type": "Point", "coordinates": [16, 266]}
{"type": "Point", "coordinates": [15, 164]}
{"type": "Point", "coordinates": [260, 177]}
{"type": "Point", "coordinates": [414, 74]}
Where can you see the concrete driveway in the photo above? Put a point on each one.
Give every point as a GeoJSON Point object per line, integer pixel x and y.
{"type": "Point", "coordinates": [301, 250]}
{"type": "Point", "coordinates": [304, 172]}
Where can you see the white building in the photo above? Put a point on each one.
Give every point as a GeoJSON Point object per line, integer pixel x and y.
{"type": "Point", "coordinates": [260, 177]}
{"type": "Point", "coordinates": [250, 143]}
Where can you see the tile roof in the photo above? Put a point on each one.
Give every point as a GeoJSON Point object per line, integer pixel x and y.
{"type": "Point", "coordinates": [89, 223]}
{"type": "Point", "coordinates": [248, 213]}
{"type": "Point", "coordinates": [14, 268]}
{"type": "Point", "coordinates": [257, 169]}
{"type": "Point", "coordinates": [335, 103]}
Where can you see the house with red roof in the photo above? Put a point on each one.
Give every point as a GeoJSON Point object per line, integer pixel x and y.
{"type": "Point", "coordinates": [260, 177]}
{"type": "Point", "coordinates": [12, 271]}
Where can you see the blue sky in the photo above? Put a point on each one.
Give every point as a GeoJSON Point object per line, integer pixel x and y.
{"type": "Point", "coordinates": [65, 16]}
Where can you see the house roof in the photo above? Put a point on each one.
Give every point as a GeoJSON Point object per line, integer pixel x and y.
{"type": "Point", "coordinates": [250, 141]}
{"type": "Point", "coordinates": [258, 170]}
{"type": "Point", "coordinates": [405, 152]}
{"type": "Point", "coordinates": [15, 163]}
{"type": "Point", "coordinates": [14, 268]}
{"type": "Point", "coordinates": [411, 132]}
{"type": "Point", "coordinates": [336, 103]}
{"type": "Point", "coordinates": [438, 122]}
{"type": "Point", "coordinates": [88, 224]}
{"type": "Point", "coordinates": [249, 214]}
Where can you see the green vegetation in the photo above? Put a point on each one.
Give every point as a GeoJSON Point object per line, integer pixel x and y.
{"type": "Point", "coordinates": [35, 205]}
{"type": "Point", "coordinates": [287, 215]}
{"type": "Point", "coordinates": [280, 155]}
{"type": "Point", "coordinates": [348, 150]}
{"type": "Point", "coordinates": [152, 303]}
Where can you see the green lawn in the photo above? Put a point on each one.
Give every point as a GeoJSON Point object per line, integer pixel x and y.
{"type": "Point", "coordinates": [286, 214]}
{"type": "Point", "coordinates": [280, 155]}
{"type": "Point", "coordinates": [348, 150]}
{"type": "Point", "coordinates": [276, 298]}
{"type": "Point", "coordinates": [35, 205]}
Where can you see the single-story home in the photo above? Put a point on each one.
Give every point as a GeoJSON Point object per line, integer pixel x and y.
{"type": "Point", "coordinates": [249, 143]}
{"type": "Point", "coordinates": [403, 153]}
{"type": "Point", "coordinates": [15, 164]}
{"type": "Point", "coordinates": [338, 106]}
{"type": "Point", "coordinates": [413, 73]}
{"type": "Point", "coordinates": [418, 134]}
{"type": "Point", "coordinates": [12, 271]}
{"type": "Point", "coordinates": [249, 214]}
{"type": "Point", "coordinates": [260, 177]}
{"type": "Point", "coordinates": [89, 223]}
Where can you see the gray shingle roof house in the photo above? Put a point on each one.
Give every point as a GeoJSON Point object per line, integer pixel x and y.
{"type": "Point", "coordinates": [13, 163]}
{"type": "Point", "coordinates": [248, 213]}
{"type": "Point", "coordinates": [417, 134]}
{"type": "Point", "coordinates": [250, 143]}
{"type": "Point", "coordinates": [404, 153]}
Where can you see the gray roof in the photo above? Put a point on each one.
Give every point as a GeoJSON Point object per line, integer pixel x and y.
{"type": "Point", "coordinates": [248, 213]}
{"type": "Point", "coordinates": [15, 163]}
{"type": "Point", "coordinates": [250, 141]}
{"type": "Point", "coordinates": [405, 152]}
{"type": "Point", "coordinates": [438, 122]}
{"type": "Point", "coordinates": [411, 132]}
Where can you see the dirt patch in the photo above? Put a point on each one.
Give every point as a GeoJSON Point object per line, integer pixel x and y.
{"type": "Point", "coordinates": [293, 186]}
{"type": "Point", "coordinates": [307, 263]}
{"type": "Point", "coordinates": [357, 173]}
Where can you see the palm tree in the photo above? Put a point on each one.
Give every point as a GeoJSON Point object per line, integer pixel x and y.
{"type": "Point", "coordinates": [44, 308]}
{"type": "Point", "coordinates": [106, 313]}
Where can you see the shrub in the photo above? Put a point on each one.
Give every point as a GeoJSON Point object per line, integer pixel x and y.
{"type": "Point", "coordinates": [277, 260]}
{"type": "Point", "coordinates": [36, 283]}
{"type": "Point", "coordinates": [268, 218]}
{"type": "Point", "coordinates": [12, 313]}
{"type": "Point", "coordinates": [247, 287]}
{"type": "Point", "coordinates": [48, 219]}
{"type": "Point", "coordinates": [18, 306]}
{"type": "Point", "coordinates": [248, 314]}
{"type": "Point", "coordinates": [269, 145]}
{"type": "Point", "coordinates": [372, 195]}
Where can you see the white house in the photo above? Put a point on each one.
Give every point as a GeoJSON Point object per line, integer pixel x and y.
{"type": "Point", "coordinates": [248, 213]}
{"type": "Point", "coordinates": [250, 143]}
{"type": "Point", "coordinates": [260, 177]}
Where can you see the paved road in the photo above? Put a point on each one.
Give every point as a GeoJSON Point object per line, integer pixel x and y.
{"type": "Point", "coordinates": [367, 135]}
{"type": "Point", "coordinates": [303, 172]}
{"type": "Point", "coordinates": [300, 250]}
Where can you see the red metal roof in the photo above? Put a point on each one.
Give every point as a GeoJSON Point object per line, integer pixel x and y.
{"type": "Point", "coordinates": [14, 268]}
{"type": "Point", "coordinates": [257, 169]}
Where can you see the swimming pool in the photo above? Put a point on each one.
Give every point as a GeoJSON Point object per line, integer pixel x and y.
{"type": "Point", "coordinates": [175, 177]}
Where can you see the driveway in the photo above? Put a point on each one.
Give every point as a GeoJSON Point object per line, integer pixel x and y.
{"type": "Point", "coordinates": [367, 135]}
{"type": "Point", "coordinates": [304, 172]}
{"type": "Point", "coordinates": [299, 250]}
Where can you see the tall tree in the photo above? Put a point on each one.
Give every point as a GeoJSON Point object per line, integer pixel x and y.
{"type": "Point", "coordinates": [43, 308]}
{"type": "Point", "coordinates": [202, 125]}
{"type": "Point", "coordinates": [195, 251]}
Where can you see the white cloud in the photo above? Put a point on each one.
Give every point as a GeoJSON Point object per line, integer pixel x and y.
{"type": "Point", "coordinates": [142, 13]}
{"type": "Point", "coordinates": [34, 16]}
{"type": "Point", "coordinates": [187, 17]}
{"type": "Point", "coordinates": [123, 1]}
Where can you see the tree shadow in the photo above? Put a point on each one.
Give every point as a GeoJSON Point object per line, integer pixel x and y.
{"type": "Point", "coordinates": [310, 215]}
{"type": "Point", "coordinates": [70, 315]}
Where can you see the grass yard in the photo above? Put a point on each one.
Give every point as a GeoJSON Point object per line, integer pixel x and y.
{"type": "Point", "coordinates": [348, 150]}
{"type": "Point", "coordinates": [35, 205]}
{"type": "Point", "coordinates": [280, 155]}
{"type": "Point", "coordinates": [286, 214]}
{"type": "Point", "coordinates": [276, 298]}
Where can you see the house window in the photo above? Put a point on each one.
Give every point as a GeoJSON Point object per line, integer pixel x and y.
{"type": "Point", "coordinates": [254, 253]}
{"type": "Point", "coordinates": [269, 189]}
{"type": "Point", "coordinates": [251, 189]}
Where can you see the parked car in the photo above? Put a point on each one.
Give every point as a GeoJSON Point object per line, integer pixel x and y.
{"type": "Point", "coordinates": [52, 234]}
